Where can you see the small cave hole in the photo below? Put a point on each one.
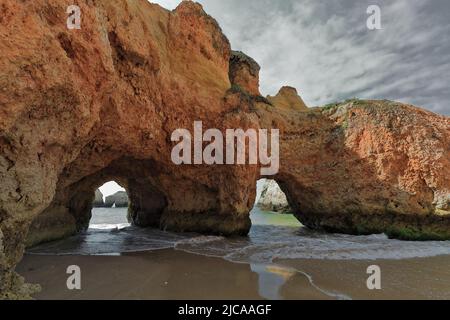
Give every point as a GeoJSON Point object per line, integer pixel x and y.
{"type": "Point", "coordinates": [110, 207]}
{"type": "Point", "coordinates": [271, 206]}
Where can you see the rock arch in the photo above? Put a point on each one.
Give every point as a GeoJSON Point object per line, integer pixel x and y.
{"type": "Point", "coordinates": [271, 197]}
{"type": "Point", "coordinates": [135, 72]}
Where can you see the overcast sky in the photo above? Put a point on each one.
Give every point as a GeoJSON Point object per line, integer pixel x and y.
{"type": "Point", "coordinates": [325, 50]}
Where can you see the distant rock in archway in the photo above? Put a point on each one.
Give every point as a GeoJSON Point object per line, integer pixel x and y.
{"type": "Point", "coordinates": [98, 201]}
{"type": "Point", "coordinates": [273, 198]}
{"type": "Point", "coordinates": [119, 200]}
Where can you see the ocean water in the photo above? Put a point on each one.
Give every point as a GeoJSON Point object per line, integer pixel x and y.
{"type": "Point", "coordinates": [273, 236]}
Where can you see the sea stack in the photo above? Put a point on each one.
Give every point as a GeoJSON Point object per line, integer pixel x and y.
{"type": "Point", "coordinates": [98, 201]}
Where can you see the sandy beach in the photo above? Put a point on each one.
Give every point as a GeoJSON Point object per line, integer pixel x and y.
{"type": "Point", "coordinates": [174, 274]}
{"type": "Point", "coordinates": [164, 274]}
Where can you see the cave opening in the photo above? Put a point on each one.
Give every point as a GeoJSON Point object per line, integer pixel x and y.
{"type": "Point", "coordinates": [272, 206]}
{"type": "Point", "coordinates": [110, 207]}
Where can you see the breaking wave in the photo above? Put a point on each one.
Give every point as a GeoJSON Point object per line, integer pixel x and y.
{"type": "Point", "coordinates": [272, 237]}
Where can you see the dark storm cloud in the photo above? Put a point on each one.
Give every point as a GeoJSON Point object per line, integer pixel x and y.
{"type": "Point", "coordinates": [325, 49]}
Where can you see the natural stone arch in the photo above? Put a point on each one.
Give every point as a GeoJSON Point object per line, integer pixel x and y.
{"type": "Point", "coordinates": [271, 197]}
{"type": "Point", "coordinates": [157, 199]}
{"type": "Point", "coordinates": [338, 178]}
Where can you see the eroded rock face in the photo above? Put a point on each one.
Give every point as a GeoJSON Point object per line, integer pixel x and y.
{"type": "Point", "coordinates": [82, 107]}
{"type": "Point", "coordinates": [244, 73]}
{"type": "Point", "coordinates": [273, 198]}
{"type": "Point", "coordinates": [288, 98]}
{"type": "Point", "coordinates": [364, 167]}
{"type": "Point", "coordinates": [119, 200]}
{"type": "Point", "coordinates": [98, 200]}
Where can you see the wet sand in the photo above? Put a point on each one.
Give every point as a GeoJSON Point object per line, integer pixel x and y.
{"type": "Point", "coordinates": [406, 279]}
{"type": "Point", "coordinates": [164, 274]}
{"type": "Point", "coordinates": [172, 274]}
